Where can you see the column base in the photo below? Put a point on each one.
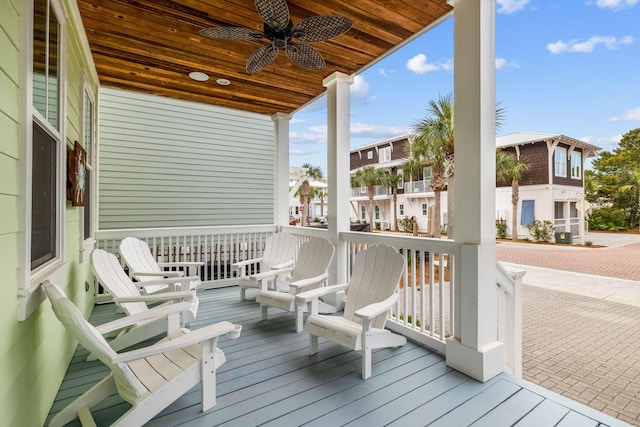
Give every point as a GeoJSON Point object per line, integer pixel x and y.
{"type": "Point", "coordinates": [480, 364]}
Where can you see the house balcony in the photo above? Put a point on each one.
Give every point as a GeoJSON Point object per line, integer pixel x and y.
{"type": "Point", "coordinates": [417, 187]}
{"type": "Point", "coordinates": [378, 190]}
{"type": "Point", "coordinates": [269, 379]}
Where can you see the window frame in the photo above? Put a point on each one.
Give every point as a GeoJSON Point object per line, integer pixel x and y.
{"type": "Point", "coordinates": [384, 155]}
{"type": "Point", "coordinates": [31, 279]}
{"type": "Point", "coordinates": [576, 169]}
{"type": "Point", "coordinates": [560, 162]}
{"type": "Point", "coordinates": [363, 213]}
{"type": "Point", "coordinates": [370, 155]}
{"type": "Point", "coordinates": [400, 184]}
{"type": "Point", "coordinates": [401, 208]}
{"type": "Point", "coordinates": [376, 212]}
{"type": "Point", "coordinates": [87, 244]}
{"type": "Point", "coordinates": [425, 209]}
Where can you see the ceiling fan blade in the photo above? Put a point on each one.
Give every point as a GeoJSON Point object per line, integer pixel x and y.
{"type": "Point", "coordinates": [232, 33]}
{"type": "Point", "coordinates": [320, 28]}
{"type": "Point", "coordinates": [261, 58]}
{"type": "Point", "coordinates": [274, 13]}
{"type": "Point", "coordinates": [305, 56]}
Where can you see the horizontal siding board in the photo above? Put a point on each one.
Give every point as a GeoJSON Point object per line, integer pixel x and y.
{"type": "Point", "coordinates": [170, 163]}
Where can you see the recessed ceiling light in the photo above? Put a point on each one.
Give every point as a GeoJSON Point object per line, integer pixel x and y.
{"type": "Point", "coordinates": [223, 82]}
{"type": "Point", "coordinates": [198, 76]}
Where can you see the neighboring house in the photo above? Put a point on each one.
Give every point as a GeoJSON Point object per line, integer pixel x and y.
{"type": "Point", "coordinates": [317, 204]}
{"type": "Point", "coordinates": [549, 190]}
{"type": "Point", "coordinates": [553, 184]}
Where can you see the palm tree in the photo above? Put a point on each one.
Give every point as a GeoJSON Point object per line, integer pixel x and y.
{"type": "Point", "coordinates": [369, 177]}
{"type": "Point", "coordinates": [509, 168]}
{"type": "Point", "coordinates": [433, 147]}
{"type": "Point", "coordinates": [391, 180]}
{"type": "Point", "coordinates": [313, 172]}
{"type": "Point", "coordinates": [322, 194]}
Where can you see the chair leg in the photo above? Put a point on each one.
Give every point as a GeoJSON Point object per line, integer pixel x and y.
{"type": "Point", "coordinates": [243, 293]}
{"type": "Point", "coordinates": [89, 398]}
{"type": "Point", "coordinates": [299, 318]}
{"type": "Point", "coordinates": [263, 312]}
{"type": "Point", "coordinates": [313, 344]}
{"type": "Point", "coordinates": [366, 357]}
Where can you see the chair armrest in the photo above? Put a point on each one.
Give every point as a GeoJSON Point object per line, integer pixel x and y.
{"type": "Point", "coordinates": [300, 284]}
{"type": "Point", "coordinates": [246, 262]}
{"type": "Point", "coordinates": [181, 264]}
{"type": "Point", "coordinates": [154, 313]}
{"type": "Point", "coordinates": [269, 274]}
{"type": "Point", "coordinates": [169, 281]}
{"type": "Point", "coordinates": [192, 337]}
{"type": "Point", "coordinates": [164, 296]}
{"type": "Point", "coordinates": [158, 273]}
{"type": "Point", "coordinates": [372, 310]}
{"type": "Point", "coordinates": [283, 265]}
{"type": "Point", "coordinates": [308, 296]}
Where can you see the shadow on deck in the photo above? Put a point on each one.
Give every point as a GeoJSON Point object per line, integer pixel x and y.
{"type": "Point", "coordinates": [269, 379]}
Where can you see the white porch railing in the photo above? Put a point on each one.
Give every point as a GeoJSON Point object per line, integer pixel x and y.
{"type": "Point", "coordinates": [424, 311]}
{"type": "Point", "coordinates": [378, 190]}
{"type": "Point", "coordinates": [509, 282]}
{"type": "Point", "coordinates": [417, 187]}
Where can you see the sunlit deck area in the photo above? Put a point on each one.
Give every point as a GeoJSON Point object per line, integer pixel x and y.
{"type": "Point", "coordinates": [269, 379]}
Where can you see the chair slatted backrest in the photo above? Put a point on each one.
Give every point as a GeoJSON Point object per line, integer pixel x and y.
{"type": "Point", "coordinates": [314, 258]}
{"type": "Point", "coordinates": [128, 385]}
{"type": "Point", "coordinates": [375, 277]}
{"type": "Point", "coordinates": [278, 249]}
{"type": "Point", "coordinates": [110, 274]}
{"type": "Point", "coordinates": [137, 255]}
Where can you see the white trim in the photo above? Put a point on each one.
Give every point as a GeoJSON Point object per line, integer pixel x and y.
{"type": "Point", "coordinates": [560, 158]}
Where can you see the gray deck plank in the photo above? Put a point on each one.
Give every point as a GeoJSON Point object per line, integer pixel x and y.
{"type": "Point", "coordinates": [269, 378]}
{"type": "Point", "coordinates": [514, 408]}
{"type": "Point", "coordinates": [547, 413]}
{"type": "Point", "coordinates": [574, 419]}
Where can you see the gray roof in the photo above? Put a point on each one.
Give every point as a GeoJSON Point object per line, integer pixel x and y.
{"type": "Point", "coordinates": [522, 138]}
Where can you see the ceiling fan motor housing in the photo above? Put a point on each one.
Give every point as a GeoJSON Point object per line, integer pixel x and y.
{"type": "Point", "coordinates": [279, 38]}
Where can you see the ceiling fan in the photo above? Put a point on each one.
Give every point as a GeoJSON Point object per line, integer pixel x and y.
{"type": "Point", "coordinates": [284, 35]}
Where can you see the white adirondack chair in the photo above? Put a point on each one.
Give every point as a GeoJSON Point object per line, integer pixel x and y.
{"type": "Point", "coordinates": [311, 271]}
{"type": "Point", "coordinates": [278, 253]}
{"type": "Point", "coordinates": [371, 293]}
{"type": "Point", "coordinates": [150, 378]}
{"type": "Point", "coordinates": [146, 270]}
{"type": "Point", "coordinates": [179, 308]}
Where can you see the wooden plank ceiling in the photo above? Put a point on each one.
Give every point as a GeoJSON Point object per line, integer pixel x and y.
{"type": "Point", "coordinates": [152, 46]}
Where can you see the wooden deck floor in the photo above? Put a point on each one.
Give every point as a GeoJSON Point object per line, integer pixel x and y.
{"type": "Point", "coordinates": [269, 379]}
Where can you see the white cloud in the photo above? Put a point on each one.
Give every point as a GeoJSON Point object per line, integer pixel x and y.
{"type": "Point", "coordinates": [507, 65]}
{"type": "Point", "coordinates": [511, 6]}
{"type": "Point", "coordinates": [633, 114]}
{"type": "Point", "coordinates": [616, 4]}
{"type": "Point", "coordinates": [418, 64]}
{"type": "Point", "coordinates": [359, 89]}
{"type": "Point", "coordinates": [367, 130]}
{"type": "Point", "coordinates": [386, 73]}
{"type": "Point", "coordinates": [607, 143]}
{"type": "Point", "coordinates": [315, 135]}
{"type": "Point", "coordinates": [588, 46]}
{"type": "Point", "coordinates": [295, 121]}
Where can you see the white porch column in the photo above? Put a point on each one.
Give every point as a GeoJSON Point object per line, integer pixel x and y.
{"type": "Point", "coordinates": [473, 348]}
{"type": "Point", "coordinates": [339, 187]}
{"type": "Point", "coordinates": [281, 177]}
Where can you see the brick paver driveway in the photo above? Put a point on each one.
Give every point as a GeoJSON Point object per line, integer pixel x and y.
{"type": "Point", "coordinates": [584, 348]}
{"type": "Point", "coordinates": [621, 262]}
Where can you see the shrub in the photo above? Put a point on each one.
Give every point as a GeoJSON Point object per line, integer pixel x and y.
{"type": "Point", "coordinates": [407, 224]}
{"type": "Point", "coordinates": [610, 219]}
{"type": "Point", "coordinates": [501, 229]}
{"type": "Point", "coordinates": [377, 225]}
{"type": "Point", "coordinates": [541, 231]}
{"type": "Point", "coordinates": [588, 243]}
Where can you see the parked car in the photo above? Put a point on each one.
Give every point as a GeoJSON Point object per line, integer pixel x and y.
{"type": "Point", "coordinates": [292, 220]}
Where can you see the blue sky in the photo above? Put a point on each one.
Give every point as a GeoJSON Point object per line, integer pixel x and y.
{"type": "Point", "coordinates": [569, 67]}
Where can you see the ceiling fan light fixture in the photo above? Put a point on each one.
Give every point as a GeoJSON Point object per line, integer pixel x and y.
{"type": "Point", "coordinates": [199, 76]}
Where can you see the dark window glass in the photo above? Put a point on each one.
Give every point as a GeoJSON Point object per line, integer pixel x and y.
{"type": "Point", "coordinates": [43, 198]}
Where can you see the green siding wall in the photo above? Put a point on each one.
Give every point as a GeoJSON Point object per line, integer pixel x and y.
{"type": "Point", "coordinates": [34, 354]}
{"type": "Point", "coordinates": [170, 163]}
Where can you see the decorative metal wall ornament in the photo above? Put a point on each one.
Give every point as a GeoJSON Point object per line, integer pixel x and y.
{"type": "Point", "coordinates": [76, 168]}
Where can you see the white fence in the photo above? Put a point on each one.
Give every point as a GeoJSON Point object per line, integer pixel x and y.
{"type": "Point", "coordinates": [424, 311]}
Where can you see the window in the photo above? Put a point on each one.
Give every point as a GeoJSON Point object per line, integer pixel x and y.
{"type": "Point", "coordinates": [88, 136]}
{"type": "Point", "coordinates": [363, 190]}
{"type": "Point", "coordinates": [426, 174]}
{"type": "Point", "coordinates": [370, 154]}
{"type": "Point", "coordinates": [363, 213]}
{"type": "Point", "coordinates": [573, 210]}
{"type": "Point", "coordinates": [384, 155]}
{"type": "Point", "coordinates": [558, 210]}
{"type": "Point", "coordinates": [401, 208]}
{"type": "Point", "coordinates": [45, 164]}
{"type": "Point", "coordinates": [424, 209]}
{"type": "Point", "coordinates": [528, 212]}
{"type": "Point", "coordinates": [576, 165]}
{"type": "Point", "coordinates": [400, 184]}
{"type": "Point", "coordinates": [560, 155]}
{"type": "Point", "coordinates": [376, 210]}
